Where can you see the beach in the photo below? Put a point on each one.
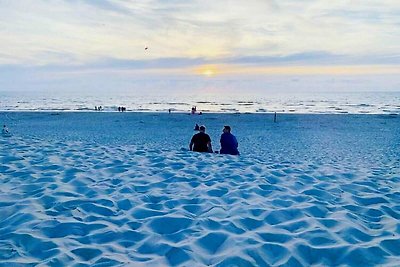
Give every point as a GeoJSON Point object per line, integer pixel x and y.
{"type": "Point", "coordinates": [122, 189]}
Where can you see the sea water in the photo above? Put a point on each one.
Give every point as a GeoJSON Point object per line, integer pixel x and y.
{"type": "Point", "coordinates": [324, 102]}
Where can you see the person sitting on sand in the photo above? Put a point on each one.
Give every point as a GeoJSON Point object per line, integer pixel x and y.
{"type": "Point", "coordinates": [229, 143]}
{"type": "Point", "coordinates": [201, 142]}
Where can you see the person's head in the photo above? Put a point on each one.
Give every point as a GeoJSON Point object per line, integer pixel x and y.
{"type": "Point", "coordinates": [227, 129]}
{"type": "Point", "coordinates": [202, 128]}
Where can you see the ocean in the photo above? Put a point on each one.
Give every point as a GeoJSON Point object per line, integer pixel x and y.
{"type": "Point", "coordinates": [217, 102]}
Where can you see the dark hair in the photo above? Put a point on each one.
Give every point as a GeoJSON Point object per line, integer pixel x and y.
{"type": "Point", "coordinates": [227, 127]}
{"type": "Point", "coordinates": [202, 128]}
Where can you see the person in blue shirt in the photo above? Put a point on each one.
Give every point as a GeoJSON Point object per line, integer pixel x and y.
{"type": "Point", "coordinates": [229, 144]}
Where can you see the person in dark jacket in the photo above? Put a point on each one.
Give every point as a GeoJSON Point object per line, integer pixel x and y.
{"type": "Point", "coordinates": [201, 142]}
{"type": "Point", "coordinates": [229, 144]}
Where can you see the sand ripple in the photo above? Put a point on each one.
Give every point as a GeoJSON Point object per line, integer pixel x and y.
{"type": "Point", "coordinates": [79, 203]}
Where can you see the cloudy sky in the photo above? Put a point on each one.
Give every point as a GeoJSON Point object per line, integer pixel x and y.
{"type": "Point", "coordinates": [87, 44]}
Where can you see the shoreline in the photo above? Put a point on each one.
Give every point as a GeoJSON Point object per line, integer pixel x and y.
{"type": "Point", "coordinates": [203, 113]}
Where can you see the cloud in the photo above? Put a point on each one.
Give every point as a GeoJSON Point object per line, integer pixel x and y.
{"type": "Point", "coordinates": [253, 45]}
{"type": "Point", "coordinates": [106, 5]}
{"type": "Point", "coordinates": [91, 35]}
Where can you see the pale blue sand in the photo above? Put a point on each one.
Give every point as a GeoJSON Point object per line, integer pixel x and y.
{"type": "Point", "coordinates": [120, 189]}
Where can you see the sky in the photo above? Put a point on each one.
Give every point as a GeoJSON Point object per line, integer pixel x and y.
{"type": "Point", "coordinates": [157, 45]}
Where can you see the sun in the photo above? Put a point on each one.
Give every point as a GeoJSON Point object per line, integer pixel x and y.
{"type": "Point", "coordinates": [208, 73]}
{"type": "Point", "coordinates": [207, 70]}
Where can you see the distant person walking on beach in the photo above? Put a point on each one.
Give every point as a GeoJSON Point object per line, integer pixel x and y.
{"type": "Point", "coordinates": [229, 144]}
{"type": "Point", "coordinates": [201, 142]}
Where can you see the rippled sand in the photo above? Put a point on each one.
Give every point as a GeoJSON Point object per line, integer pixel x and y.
{"type": "Point", "coordinates": [104, 202]}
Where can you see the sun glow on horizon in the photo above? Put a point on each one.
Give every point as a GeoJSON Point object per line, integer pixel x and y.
{"type": "Point", "coordinates": [208, 73]}
{"type": "Point", "coordinates": [207, 70]}
{"type": "Point", "coordinates": [227, 69]}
